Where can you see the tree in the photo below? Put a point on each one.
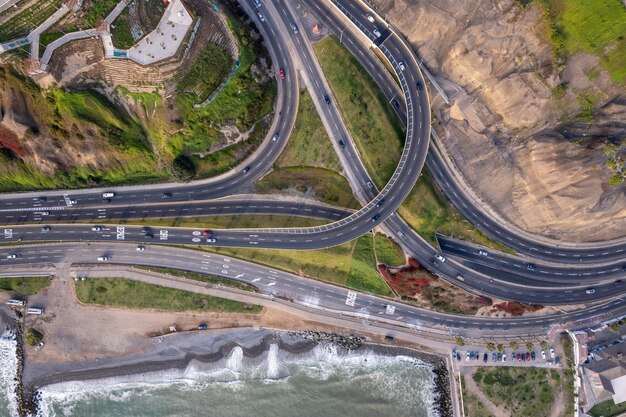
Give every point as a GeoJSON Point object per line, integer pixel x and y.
{"type": "Point", "coordinates": [530, 346]}
{"type": "Point", "coordinates": [459, 341]}
{"type": "Point", "coordinates": [491, 346]}
{"type": "Point", "coordinates": [514, 344]}
{"type": "Point", "coordinates": [183, 168]}
{"type": "Point", "coordinates": [543, 344]}
{"type": "Point", "coordinates": [500, 347]}
{"type": "Point", "coordinates": [33, 337]}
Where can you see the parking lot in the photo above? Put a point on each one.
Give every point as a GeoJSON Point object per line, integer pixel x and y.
{"type": "Point", "coordinates": [508, 357]}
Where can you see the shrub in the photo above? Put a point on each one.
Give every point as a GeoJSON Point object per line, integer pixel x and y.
{"type": "Point", "coordinates": [183, 168]}
{"type": "Point", "coordinates": [33, 337]}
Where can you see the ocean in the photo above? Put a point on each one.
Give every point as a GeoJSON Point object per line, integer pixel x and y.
{"type": "Point", "coordinates": [277, 383]}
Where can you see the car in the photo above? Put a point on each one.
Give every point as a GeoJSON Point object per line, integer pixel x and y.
{"type": "Point", "coordinates": [532, 355]}
{"type": "Point", "coordinates": [401, 65]}
{"type": "Point", "coordinates": [108, 195]}
{"type": "Point", "coordinates": [146, 229]}
{"type": "Point", "coordinates": [257, 3]}
{"type": "Point", "coordinates": [261, 17]}
{"type": "Point", "coordinates": [44, 213]}
{"type": "Point", "coordinates": [530, 267]}
{"type": "Point", "coordinates": [543, 354]}
{"type": "Point", "coordinates": [370, 185]}
{"type": "Point", "coordinates": [557, 360]}
{"type": "Point", "coordinates": [73, 202]}
{"type": "Point", "coordinates": [294, 28]}
{"type": "Point", "coordinates": [96, 228]}
{"type": "Point", "coordinates": [460, 277]}
{"type": "Point", "coordinates": [196, 240]}
{"type": "Point", "coordinates": [380, 202]}
{"type": "Point", "coordinates": [275, 137]}
{"type": "Point", "coordinates": [467, 357]}
{"type": "Point", "coordinates": [396, 104]}
{"type": "Point", "coordinates": [439, 257]}
{"type": "Point", "coordinates": [370, 18]}
{"type": "Point", "coordinates": [106, 200]}
{"type": "Point", "coordinates": [148, 235]}
{"type": "Point", "coordinates": [282, 74]}
{"type": "Point", "coordinates": [342, 144]}
{"type": "Point", "coordinates": [326, 99]}
{"type": "Point", "coordinates": [12, 256]}
{"type": "Point", "coordinates": [40, 199]}
{"type": "Point", "coordinates": [196, 233]}
{"type": "Point", "coordinates": [471, 355]}
{"type": "Point", "coordinates": [376, 217]}
{"type": "Point", "coordinates": [528, 356]}
{"type": "Point", "coordinates": [552, 354]}
{"type": "Point", "coordinates": [494, 357]}
{"type": "Point", "coordinates": [202, 327]}
{"type": "Point", "coordinates": [519, 357]}
{"type": "Point", "coordinates": [485, 356]}
{"type": "Point", "coordinates": [246, 169]}
{"type": "Point", "coordinates": [624, 267]}
{"type": "Point", "coordinates": [39, 346]}
{"type": "Point", "coordinates": [400, 234]}
{"type": "Point", "coordinates": [618, 283]}
{"type": "Point", "coordinates": [590, 291]}
{"type": "Point", "coordinates": [476, 357]}
{"type": "Point", "coordinates": [45, 229]}
{"type": "Point", "coordinates": [504, 357]}
{"type": "Point", "coordinates": [140, 248]}
{"type": "Point", "coordinates": [207, 233]}
{"type": "Point", "coordinates": [419, 87]}
{"type": "Point", "coordinates": [211, 240]}
{"type": "Point", "coordinates": [377, 32]}
{"type": "Point", "coordinates": [103, 258]}
{"type": "Point", "coordinates": [166, 195]}
{"type": "Point", "coordinates": [483, 253]}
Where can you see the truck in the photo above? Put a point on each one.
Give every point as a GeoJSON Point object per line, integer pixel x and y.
{"type": "Point", "coordinates": [35, 311]}
{"type": "Point", "coordinates": [16, 302]}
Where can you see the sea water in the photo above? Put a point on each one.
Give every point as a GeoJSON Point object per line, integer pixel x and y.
{"type": "Point", "coordinates": [320, 383]}
{"type": "Point", "coordinates": [8, 374]}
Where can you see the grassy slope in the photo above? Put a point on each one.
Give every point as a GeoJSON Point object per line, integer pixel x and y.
{"type": "Point", "coordinates": [607, 409]}
{"type": "Point", "coordinates": [126, 293]}
{"type": "Point", "coordinates": [598, 27]}
{"type": "Point", "coordinates": [24, 285]}
{"type": "Point", "coordinates": [388, 252]}
{"type": "Point", "coordinates": [207, 73]}
{"type": "Point", "coordinates": [526, 392]}
{"type": "Point", "coordinates": [351, 264]}
{"type": "Point", "coordinates": [376, 129]}
{"type": "Point", "coordinates": [309, 163]}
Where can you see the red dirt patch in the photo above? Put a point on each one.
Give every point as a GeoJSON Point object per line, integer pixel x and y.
{"type": "Point", "coordinates": [11, 141]}
{"type": "Point", "coordinates": [514, 308]}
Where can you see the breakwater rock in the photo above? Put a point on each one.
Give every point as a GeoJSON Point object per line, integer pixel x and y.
{"type": "Point", "coordinates": [346, 342]}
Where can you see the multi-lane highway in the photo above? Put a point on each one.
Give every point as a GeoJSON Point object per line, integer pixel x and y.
{"type": "Point", "coordinates": [303, 291]}
{"type": "Point", "coordinates": [485, 275]}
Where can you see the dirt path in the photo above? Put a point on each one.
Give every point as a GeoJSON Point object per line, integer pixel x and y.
{"type": "Point", "coordinates": [560, 402]}
{"type": "Point", "coordinates": [471, 387]}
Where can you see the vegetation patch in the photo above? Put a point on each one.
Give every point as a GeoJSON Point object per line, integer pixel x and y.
{"type": "Point", "coordinates": [472, 406]}
{"type": "Point", "coordinates": [388, 252]}
{"type": "Point", "coordinates": [322, 184]}
{"type": "Point", "coordinates": [21, 24]}
{"type": "Point", "coordinates": [96, 10]}
{"type": "Point", "coordinates": [24, 285]}
{"type": "Point", "coordinates": [207, 73]}
{"type": "Point", "coordinates": [121, 33]}
{"type": "Point", "coordinates": [309, 144]}
{"type": "Point", "coordinates": [525, 392]}
{"type": "Point", "coordinates": [341, 264]}
{"type": "Point", "coordinates": [608, 409]}
{"type": "Point", "coordinates": [428, 212]}
{"type": "Point", "coordinates": [375, 128]}
{"type": "Point", "coordinates": [33, 337]}
{"type": "Point", "coordinates": [120, 292]}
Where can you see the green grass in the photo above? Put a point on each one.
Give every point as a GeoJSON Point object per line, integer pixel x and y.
{"type": "Point", "coordinates": [33, 336]}
{"type": "Point", "coordinates": [24, 285]}
{"type": "Point", "coordinates": [121, 34]}
{"type": "Point", "coordinates": [203, 278]}
{"type": "Point", "coordinates": [375, 128]}
{"type": "Point", "coordinates": [608, 409]}
{"type": "Point", "coordinates": [388, 252]}
{"type": "Point", "coordinates": [524, 392]}
{"type": "Point", "coordinates": [597, 27]}
{"type": "Point", "coordinates": [230, 221]}
{"type": "Point", "coordinates": [428, 211]}
{"type": "Point", "coordinates": [46, 39]}
{"type": "Point", "coordinates": [120, 292]}
{"type": "Point", "coordinates": [363, 274]}
{"type": "Point", "coordinates": [350, 264]}
{"type": "Point", "coordinates": [94, 10]}
{"type": "Point", "coordinates": [472, 406]}
{"type": "Point", "coordinates": [207, 73]}
{"type": "Point", "coordinates": [322, 184]}
{"type": "Point", "coordinates": [21, 24]}
{"type": "Point", "coordinates": [309, 144]}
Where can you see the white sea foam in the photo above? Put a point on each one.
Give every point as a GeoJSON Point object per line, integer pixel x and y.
{"type": "Point", "coordinates": [272, 368]}
{"type": "Point", "coordinates": [235, 360]}
{"type": "Point", "coordinates": [8, 371]}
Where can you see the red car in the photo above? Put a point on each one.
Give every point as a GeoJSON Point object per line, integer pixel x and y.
{"type": "Point", "coordinates": [282, 74]}
{"type": "Point", "coordinates": [528, 356]}
{"type": "Point", "coordinates": [206, 233]}
{"type": "Point", "coordinates": [519, 357]}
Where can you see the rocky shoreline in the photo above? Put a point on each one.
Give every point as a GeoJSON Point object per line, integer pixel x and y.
{"type": "Point", "coordinates": [177, 352]}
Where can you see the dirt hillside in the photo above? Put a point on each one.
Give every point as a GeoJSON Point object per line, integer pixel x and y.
{"type": "Point", "coordinates": [536, 152]}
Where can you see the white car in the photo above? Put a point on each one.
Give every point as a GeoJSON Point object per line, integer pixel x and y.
{"type": "Point", "coordinates": [11, 256]}
{"type": "Point", "coordinates": [504, 357]}
{"type": "Point", "coordinates": [140, 248]}
{"type": "Point", "coordinates": [196, 239]}
{"type": "Point", "coordinates": [377, 33]}
{"type": "Point", "coordinates": [440, 258]}
{"type": "Point", "coordinates": [96, 228]}
{"type": "Point", "coordinates": [401, 65]}
{"type": "Point", "coordinates": [261, 17]}
{"type": "Point", "coordinates": [211, 240]}
{"type": "Point", "coordinates": [103, 258]}
{"type": "Point", "coordinates": [370, 18]}
{"type": "Point", "coordinates": [467, 356]}
{"type": "Point", "coordinates": [543, 354]}
{"type": "Point", "coordinates": [552, 354]}
{"type": "Point", "coordinates": [196, 233]}
{"type": "Point", "coordinates": [483, 253]}
{"type": "Point", "coordinates": [275, 137]}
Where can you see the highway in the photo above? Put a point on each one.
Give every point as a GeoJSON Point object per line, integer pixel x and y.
{"type": "Point", "coordinates": [307, 292]}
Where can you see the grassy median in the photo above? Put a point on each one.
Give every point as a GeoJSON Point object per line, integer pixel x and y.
{"type": "Point", "coordinates": [375, 128]}
{"type": "Point", "coordinates": [24, 285]}
{"type": "Point", "coordinates": [119, 292]}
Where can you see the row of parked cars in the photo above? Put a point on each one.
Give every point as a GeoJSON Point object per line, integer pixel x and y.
{"type": "Point", "coordinates": [502, 357]}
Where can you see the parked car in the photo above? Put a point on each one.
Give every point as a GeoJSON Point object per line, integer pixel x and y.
{"type": "Point", "coordinates": [532, 355]}
{"type": "Point", "coordinates": [494, 357]}
{"type": "Point", "coordinates": [504, 357]}
{"type": "Point", "coordinates": [467, 357]}
{"type": "Point", "coordinates": [543, 354]}
{"type": "Point", "coordinates": [485, 356]}
{"type": "Point", "coordinates": [552, 354]}
{"type": "Point", "coordinates": [528, 356]}
{"type": "Point", "coordinates": [519, 357]}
